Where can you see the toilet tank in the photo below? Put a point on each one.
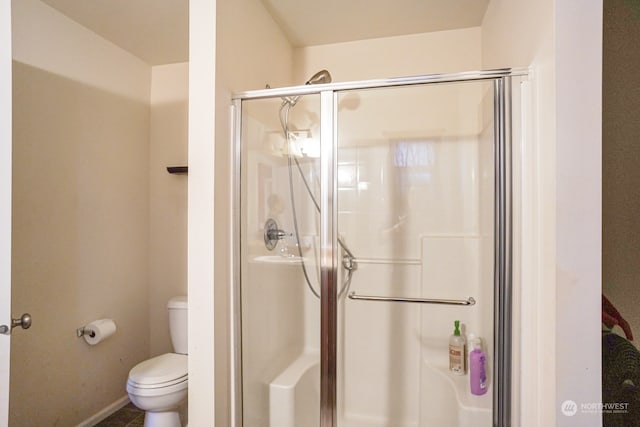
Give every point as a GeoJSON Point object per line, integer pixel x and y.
{"type": "Point", "coordinates": [177, 307]}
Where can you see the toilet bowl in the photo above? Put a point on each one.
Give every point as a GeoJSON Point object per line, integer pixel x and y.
{"type": "Point", "coordinates": [159, 385]}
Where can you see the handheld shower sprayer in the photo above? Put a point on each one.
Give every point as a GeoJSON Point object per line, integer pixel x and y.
{"type": "Point", "coordinates": [272, 234]}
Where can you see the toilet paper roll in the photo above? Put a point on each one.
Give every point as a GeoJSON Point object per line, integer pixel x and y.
{"type": "Point", "coordinates": [99, 330]}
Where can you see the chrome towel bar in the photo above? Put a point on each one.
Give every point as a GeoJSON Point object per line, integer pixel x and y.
{"type": "Point", "coordinates": [388, 261]}
{"type": "Point", "coordinates": [469, 301]}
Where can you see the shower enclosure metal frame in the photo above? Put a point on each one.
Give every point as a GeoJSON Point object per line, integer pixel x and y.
{"type": "Point", "coordinates": [329, 264]}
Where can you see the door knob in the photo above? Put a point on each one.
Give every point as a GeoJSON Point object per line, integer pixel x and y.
{"type": "Point", "coordinates": [24, 322]}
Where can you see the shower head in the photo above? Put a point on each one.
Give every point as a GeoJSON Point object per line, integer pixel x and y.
{"type": "Point", "coordinates": [320, 77]}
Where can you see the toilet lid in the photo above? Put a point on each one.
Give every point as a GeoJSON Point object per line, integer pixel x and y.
{"type": "Point", "coordinates": [170, 367]}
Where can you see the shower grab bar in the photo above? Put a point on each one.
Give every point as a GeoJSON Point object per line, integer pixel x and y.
{"type": "Point", "coordinates": [405, 261]}
{"type": "Point", "coordinates": [468, 301]}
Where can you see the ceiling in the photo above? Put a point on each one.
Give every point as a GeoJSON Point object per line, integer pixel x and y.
{"type": "Point", "coordinates": [309, 23]}
{"type": "Point", "coordinates": [157, 31]}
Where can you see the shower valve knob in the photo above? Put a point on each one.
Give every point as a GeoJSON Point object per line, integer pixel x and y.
{"type": "Point", "coordinates": [272, 234]}
{"type": "Point", "coordinates": [277, 234]}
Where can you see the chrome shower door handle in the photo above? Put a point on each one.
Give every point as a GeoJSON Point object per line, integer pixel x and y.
{"type": "Point", "coordinates": [23, 321]}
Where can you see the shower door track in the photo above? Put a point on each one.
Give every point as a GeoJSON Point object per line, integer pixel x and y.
{"type": "Point", "coordinates": [503, 294]}
{"type": "Point", "coordinates": [379, 83]}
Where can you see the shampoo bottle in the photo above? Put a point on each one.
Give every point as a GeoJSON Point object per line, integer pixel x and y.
{"type": "Point", "coordinates": [457, 351]}
{"type": "Point", "coordinates": [477, 368]}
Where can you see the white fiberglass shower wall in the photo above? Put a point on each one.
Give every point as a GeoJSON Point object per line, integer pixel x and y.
{"type": "Point", "coordinates": [412, 182]}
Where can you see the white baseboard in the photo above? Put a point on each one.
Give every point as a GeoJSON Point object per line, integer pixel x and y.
{"type": "Point", "coordinates": [104, 412]}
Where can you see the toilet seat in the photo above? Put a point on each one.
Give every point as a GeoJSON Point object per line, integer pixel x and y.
{"type": "Point", "coordinates": [163, 371]}
{"type": "Point", "coordinates": [153, 386]}
{"type": "Point", "coordinates": [133, 390]}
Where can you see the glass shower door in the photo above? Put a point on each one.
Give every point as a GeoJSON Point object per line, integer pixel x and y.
{"type": "Point", "coordinates": [370, 216]}
{"type": "Point", "coordinates": [279, 290]}
{"type": "Point", "coordinates": [415, 189]}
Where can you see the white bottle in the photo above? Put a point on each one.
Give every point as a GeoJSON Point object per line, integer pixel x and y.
{"type": "Point", "coordinates": [457, 353]}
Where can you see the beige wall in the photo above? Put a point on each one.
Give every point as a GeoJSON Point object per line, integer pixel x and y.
{"type": "Point", "coordinates": [80, 245]}
{"type": "Point", "coordinates": [245, 60]}
{"type": "Point", "coordinates": [621, 133]}
{"type": "Point", "coordinates": [438, 52]}
{"type": "Point", "coordinates": [80, 216]}
{"type": "Point", "coordinates": [167, 197]}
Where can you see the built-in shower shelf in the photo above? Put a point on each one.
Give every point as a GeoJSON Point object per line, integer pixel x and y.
{"type": "Point", "coordinates": [277, 259]}
{"type": "Point", "coordinates": [478, 407]}
{"type": "Point", "coordinates": [178, 169]}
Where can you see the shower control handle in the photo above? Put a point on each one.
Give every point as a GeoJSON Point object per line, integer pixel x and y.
{"type": "Point", "coordinates": [276, 234]}
{"type": "Point", "coordinates": [272, 234]}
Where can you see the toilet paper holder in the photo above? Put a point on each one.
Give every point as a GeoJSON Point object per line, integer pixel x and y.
{"type": "Point", "coordinates": [97, 331]}
{"type": "Point", "coordinates": [81, 331]}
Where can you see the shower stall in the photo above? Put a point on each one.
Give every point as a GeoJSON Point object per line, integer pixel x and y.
{"type": "Point", "coordinates": [369, 216]}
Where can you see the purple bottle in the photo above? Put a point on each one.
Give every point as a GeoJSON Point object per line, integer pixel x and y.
{"type": "Point", "coordinates": [477, 368]}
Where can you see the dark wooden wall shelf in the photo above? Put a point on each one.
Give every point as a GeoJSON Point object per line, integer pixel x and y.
{"type": "Point", "coordinates": [178, 169]}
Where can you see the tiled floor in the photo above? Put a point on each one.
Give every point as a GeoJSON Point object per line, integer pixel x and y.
{"type": "Point", "coordinates": [127, 416]}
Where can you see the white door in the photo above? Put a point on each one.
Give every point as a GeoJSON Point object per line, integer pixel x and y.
{"type": "Point", "coordinates": [5, 203]}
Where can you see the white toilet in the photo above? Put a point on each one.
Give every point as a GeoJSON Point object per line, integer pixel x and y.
{"type": "Point", "coordinates": [159, 385]}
